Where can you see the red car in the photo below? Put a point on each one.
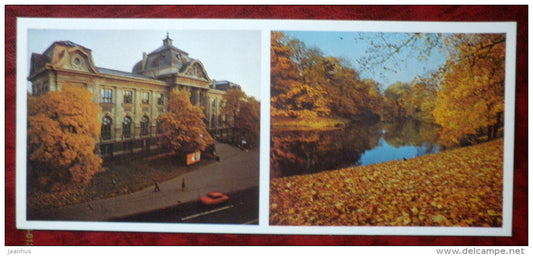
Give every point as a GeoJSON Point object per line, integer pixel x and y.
{"type": "Point", "coordinates": [213, 198]}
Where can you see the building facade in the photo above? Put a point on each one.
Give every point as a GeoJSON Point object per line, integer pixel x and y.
{"type": "Point", "coordinates": [130, 102]}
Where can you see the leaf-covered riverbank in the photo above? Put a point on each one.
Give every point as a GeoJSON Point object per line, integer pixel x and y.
{"type": "Point", "coordinates": [460, 187]}
{"type": "Point", "coordinates": [302, 124]}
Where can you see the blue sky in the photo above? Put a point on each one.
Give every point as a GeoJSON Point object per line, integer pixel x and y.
{"type": "Point", "coordinates": [226, 54]}
{"type": "Point", "coordinates": [352, 46]}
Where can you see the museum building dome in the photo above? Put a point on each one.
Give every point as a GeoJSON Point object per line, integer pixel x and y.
{"type": "Point", "coordinates": [165, 60]}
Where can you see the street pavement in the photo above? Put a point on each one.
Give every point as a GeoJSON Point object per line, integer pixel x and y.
{"type": "Point", "coordinates": [237, 170]}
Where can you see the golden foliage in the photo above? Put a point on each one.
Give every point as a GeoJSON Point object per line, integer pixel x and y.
{"type": "Point", "coordinates": [62, 131]}
{"type": "Point", "coordinates": [290, 96]}
{"type": "Point", "coordinates": [472, 93]}
{"type": "Point", "coordinates": [305, 84]}
{"type": "Point", "coordinates": [461, 187]}
{"type": "Point", "coordinates": [242, 113]}
{"type": "Point", "coordinates": [183, 126]}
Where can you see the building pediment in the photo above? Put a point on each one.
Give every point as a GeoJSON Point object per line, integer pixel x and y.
{"type": "Point", "coordinates": [64, 55]}
{"type": "Point", "coordinates": [170, 61]}
{"type": "Point", "coordinates": [80, 60]}
{"type": "Point", "coordinates": [75, 58]}
{"type": "Point", "coordinates": [196, 70]}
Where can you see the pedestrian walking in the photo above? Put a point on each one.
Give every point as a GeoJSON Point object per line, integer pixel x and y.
{"type": "Point", "coordinates": [183, 184]}
{"type": "Point", "coordinates": [156, 187]}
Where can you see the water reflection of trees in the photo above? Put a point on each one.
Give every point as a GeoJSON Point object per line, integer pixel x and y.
{"type": "Point", "coordinates": [303, 152]}
{"type": "Point", "coordinates": [411, 132]}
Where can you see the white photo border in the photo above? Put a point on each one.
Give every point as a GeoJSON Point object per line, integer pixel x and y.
{"type": "Point", "coordinates": [265, 26]}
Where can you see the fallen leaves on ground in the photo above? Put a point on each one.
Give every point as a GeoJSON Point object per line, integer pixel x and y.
{"type": "Point", "coordinates": [129, 176]}
{"type": "Point", "coordinates": [460, 187]}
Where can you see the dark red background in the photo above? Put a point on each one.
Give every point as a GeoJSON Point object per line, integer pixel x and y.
{"type": "Point", "coordinates": [391, 13]}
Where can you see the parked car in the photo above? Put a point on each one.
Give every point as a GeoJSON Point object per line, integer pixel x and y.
{"type": "Point", "coordinates": [213, 198]}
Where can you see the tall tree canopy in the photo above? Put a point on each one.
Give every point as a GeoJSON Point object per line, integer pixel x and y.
{"type": "Point", "coordinates": [415, 100]}
{"type": "Point", "coordinates": [470, 103]}
{"type": "Point", "coordinates": [307, 84]}
{"type": "Point", "coordinates": [397, 101]}
{"type": "Point", "coordinates": [183, 126]}
{"type": "Point", "coordinates": [424, 94]}
{"type": "Point", "coordinates": [233, 103]}
{"type": "Point", "coordinates": [290, 96]}
{"type": "Point", "coordinates": [465, 96]}
{"type": "Point", "coordinates": [463, 92]}
{"type": "Point", "coordinates": [62, 131]}
{"type": "Point", "coordinates": [249, 121]}
{"type": "Point", "coordinates": [242, 113]}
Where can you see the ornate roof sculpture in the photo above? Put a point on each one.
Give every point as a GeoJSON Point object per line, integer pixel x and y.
{"type": "Point", "coordinates": [63, 55]}
{"type": "Point", "coordinates": [169, 60]}
{"type": "Point", "coordinates": [166, 63]}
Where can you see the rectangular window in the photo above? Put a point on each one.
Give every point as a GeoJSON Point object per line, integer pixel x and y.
{"type": "Point", "coordinates": [107, 96]}
{"type": "Point", "coordinates": [145, 98]}
{"type": "Point", "coordinates": [36, 90]}
{"type": "Point", "coordinates": [161, 99]}
{"type": "Point", "coordinates": [128, 97]}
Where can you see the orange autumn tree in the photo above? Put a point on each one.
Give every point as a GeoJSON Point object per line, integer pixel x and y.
{"type": "Point", "coordinates": [290, 96]}
{"type": "Point", "coordinates": [470, 103]}
{"type": "Point", "coordinates": [233, 103]}
{"type": "Point", "coordinates": [62, 131]}
{"type": "Point", "coordinates": [242, 113]}
{"type": "Point", "coordinates": [396, 101]}
{"type": "Point", "coordinates": [249, 121]}
{"type": "Point", "coordinates": [183, 126]}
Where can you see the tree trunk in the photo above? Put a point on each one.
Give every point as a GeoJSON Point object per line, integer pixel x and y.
{"type": "Point", "coordinates": [496, 125]}
{"type": "Point", "coordinates": [492, 130]}
{"type": "Point", "coordinates": [489, 132]}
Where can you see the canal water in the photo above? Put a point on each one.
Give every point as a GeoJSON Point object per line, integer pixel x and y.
{"type": "Point", "coordinates": [304, 152]}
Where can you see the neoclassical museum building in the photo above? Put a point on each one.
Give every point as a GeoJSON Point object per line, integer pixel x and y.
{"type": "Point", "coordinates": [130, 102]}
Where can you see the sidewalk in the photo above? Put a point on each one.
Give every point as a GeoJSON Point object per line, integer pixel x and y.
{"type": "Point", "coordinates": [236, 171]}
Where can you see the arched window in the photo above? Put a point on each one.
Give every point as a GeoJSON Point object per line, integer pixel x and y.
{"type": "Point", "coordinates": [106, 128]}
{"type": "Point", "coordinates": [145, 125]}
{"type": "Point", "coordinates": [126, 127]}
{"type": "Point", "coordinates": [46, 88]}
